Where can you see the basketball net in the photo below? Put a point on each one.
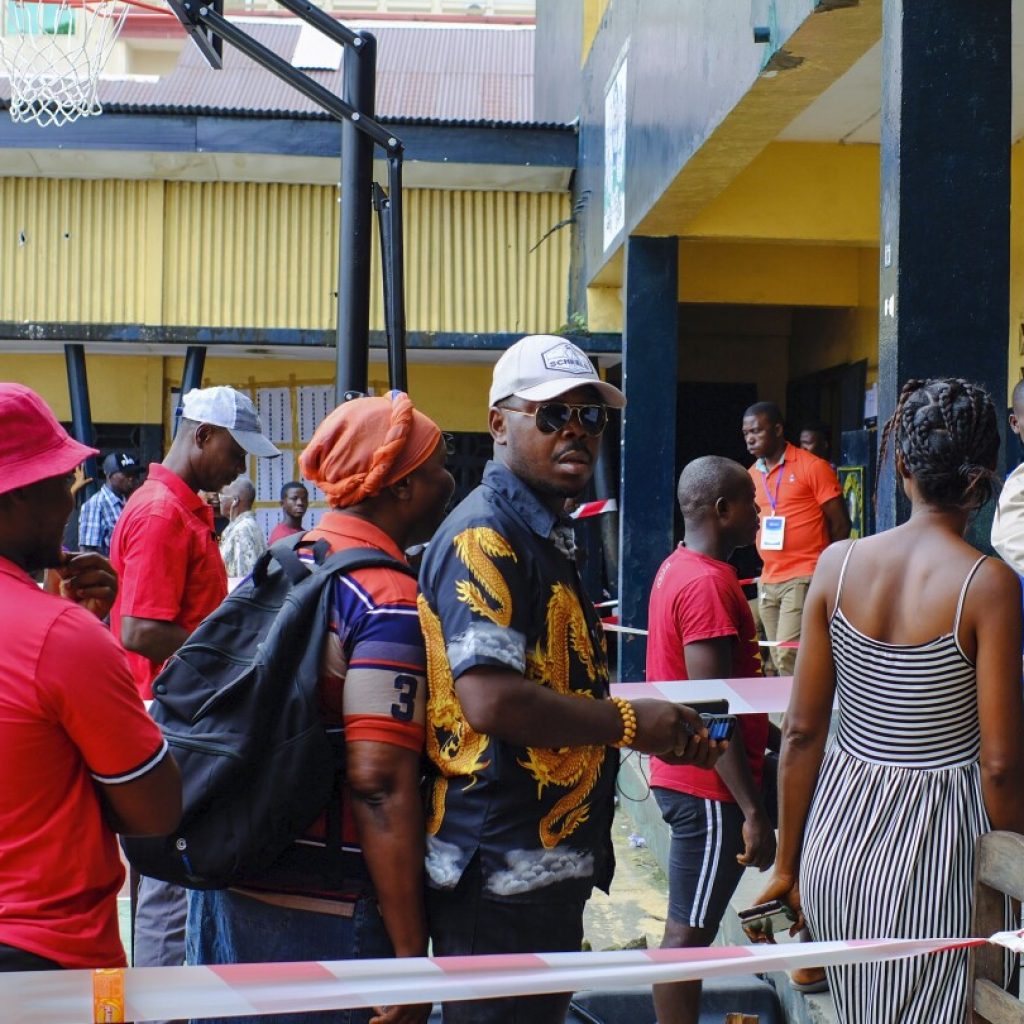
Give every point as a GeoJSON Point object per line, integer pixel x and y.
{"type": "Point", "coordinates": [53, 53]}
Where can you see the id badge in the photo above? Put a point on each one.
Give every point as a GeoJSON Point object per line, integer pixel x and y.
{"type": "Point", "coordinates": [773, 532]}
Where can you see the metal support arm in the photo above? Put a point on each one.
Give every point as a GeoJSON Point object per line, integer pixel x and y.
{"type": "Point", "coordinates": [277, 65]}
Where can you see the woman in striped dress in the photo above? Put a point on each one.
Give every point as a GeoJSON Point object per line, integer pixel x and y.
{"type": "Point", "coordinates": [920, 637]}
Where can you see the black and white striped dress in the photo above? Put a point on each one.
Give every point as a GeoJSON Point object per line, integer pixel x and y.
{"type": "Point", "coordinates": [889, 845]}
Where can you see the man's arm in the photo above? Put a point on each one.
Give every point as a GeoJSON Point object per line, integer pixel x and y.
{"type": "Point", "coordinates": [385, 784]}
{"type": "Point", "coordinates": [152, 638]}
{"type": "Point", "coordinates": [712, 659]}
{"type": "Point", "coordinates": [837, 519]}
{"type": "Point", "coordinates": [502, 703]}
{"type": "Point", "coordinates": [147, 806]}
{"type": "Point", "coordinates": [1008, 523]}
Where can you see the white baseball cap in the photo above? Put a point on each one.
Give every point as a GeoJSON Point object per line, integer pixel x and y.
{"type": "Point", "coordinates": [228, 408]}
{"type": "Point", "coordinates": [543, 366]}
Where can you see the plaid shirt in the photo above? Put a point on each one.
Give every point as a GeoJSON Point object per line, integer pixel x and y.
{"type": "Point", "coordinates": [98, 517]}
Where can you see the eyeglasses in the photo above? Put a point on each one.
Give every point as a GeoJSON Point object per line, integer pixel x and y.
{"type": "Point", "coordinates": [554, 416]}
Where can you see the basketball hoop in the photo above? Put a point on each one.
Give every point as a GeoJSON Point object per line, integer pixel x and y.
{"type": "Point", "coordinates": [53, 52]}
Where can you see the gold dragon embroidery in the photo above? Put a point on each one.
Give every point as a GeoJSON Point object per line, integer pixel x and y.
{"type": "Point", "coordinates": [476, 547]}
{"type": "Point", "coordinates": [578, 767]}
{"type": "Point", "coordinates": [461, 751]}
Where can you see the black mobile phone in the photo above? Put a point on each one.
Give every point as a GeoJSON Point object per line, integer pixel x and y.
{"type": "Point", "coordinates": [710, 707]}
{"type": "Point", "coordinates": [764, 920]}
{"type": "Point", "coordinates": [720, 727]}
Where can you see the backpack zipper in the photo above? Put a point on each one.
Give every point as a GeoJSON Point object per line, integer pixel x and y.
{"type": "Point", "coordinates": [201, 746]}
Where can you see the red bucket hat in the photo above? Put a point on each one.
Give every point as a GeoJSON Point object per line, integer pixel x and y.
{"type": "Point", "coordinates": [33, 445]}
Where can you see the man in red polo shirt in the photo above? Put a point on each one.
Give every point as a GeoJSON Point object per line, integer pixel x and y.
{"type": "Point", "coordinates": [172, 576]}
{"type": "Point", "coordinates": [79, 756]}
{"type": "Point", "coordinates": [701, 627]}
{"type": "Point", "coordinates": [802, 512]}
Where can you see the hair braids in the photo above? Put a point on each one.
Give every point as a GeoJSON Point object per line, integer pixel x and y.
{"type": "Point", "coordinates": [945, 435]}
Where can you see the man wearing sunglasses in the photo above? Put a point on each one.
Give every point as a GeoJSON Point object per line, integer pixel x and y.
{"type": "Point", "coordinates": [521, 734]}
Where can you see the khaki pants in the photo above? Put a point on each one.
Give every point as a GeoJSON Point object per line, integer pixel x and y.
{"type": "Point", "coordinates": [782, 607]}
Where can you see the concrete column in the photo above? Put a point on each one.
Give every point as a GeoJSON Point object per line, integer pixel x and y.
{"type": "Point", "coordinates": [945, 231]}
{"type": "Point", "coordinates": [650, 347]}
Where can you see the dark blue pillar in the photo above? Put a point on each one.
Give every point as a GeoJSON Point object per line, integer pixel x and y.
{"type": "Point", "coordinates": [945, 232]}
{"type": "Point", "coordinates": [650, 350]}
{"type": "Point", "coordinates": [81, 413]}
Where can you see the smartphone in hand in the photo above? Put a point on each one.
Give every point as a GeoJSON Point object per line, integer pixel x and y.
{"type": "Point", "coordinates": [720, 727]}
{"type": "Point", "coordinates": [763, 921]}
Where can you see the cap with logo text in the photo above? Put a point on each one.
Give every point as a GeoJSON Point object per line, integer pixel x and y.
{"type": "Point", "coordinates": [225, 407]}
{"type": "Point", "coordinates": [543, 366]}
{"type": "Point", "coordinates": [121, 462]}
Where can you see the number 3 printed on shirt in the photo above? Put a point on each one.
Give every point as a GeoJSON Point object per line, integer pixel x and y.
{"type": "Point", "coordinates": [405, 707]}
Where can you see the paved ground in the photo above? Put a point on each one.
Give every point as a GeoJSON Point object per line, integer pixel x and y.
{"type": "Point", "coordinates": [635, 909]}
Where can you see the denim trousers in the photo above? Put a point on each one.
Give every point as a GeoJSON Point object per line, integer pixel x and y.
{"type": "Point", "coordinates": [226, 927]}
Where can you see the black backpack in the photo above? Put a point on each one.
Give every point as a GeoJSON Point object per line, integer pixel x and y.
{"type": "Point", "coordinates": [239, 708]}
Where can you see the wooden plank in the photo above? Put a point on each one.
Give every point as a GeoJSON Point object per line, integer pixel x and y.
{"type": "Point", "coordinates": [994, 1006]}
{"type": "Point", "coordinates": [999, 857]}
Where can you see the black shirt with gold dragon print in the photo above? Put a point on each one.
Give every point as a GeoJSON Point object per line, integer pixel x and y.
{"type": "Point", "coordinates": [500, 587]}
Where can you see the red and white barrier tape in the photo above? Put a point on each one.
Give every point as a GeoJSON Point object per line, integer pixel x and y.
{"type": "Point", "coordinates": [595, 508]}
{"type": "Point", "coordinates": [235, 990]}
{"type": "Point", "coordinates": [756, 695]}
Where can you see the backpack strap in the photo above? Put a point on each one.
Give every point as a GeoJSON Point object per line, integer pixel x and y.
{"type": "Point", "coordinates": [284, 552]}
{"type": "Point", "coordinates": [343, 562]}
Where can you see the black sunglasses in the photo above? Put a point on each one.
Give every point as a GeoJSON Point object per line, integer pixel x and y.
{"type": "Point", "coordinates": [554, 416]}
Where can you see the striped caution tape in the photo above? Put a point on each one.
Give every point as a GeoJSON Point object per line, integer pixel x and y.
{"type": "Point", "coordinates": [234, 990]}
{"type": "Point", "coordinates": [595, 508]}
{"type": "Point", "coordinates": [754, 695]}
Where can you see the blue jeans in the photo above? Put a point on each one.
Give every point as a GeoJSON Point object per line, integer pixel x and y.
{"type": "Point", "coordinates": [226, 928]}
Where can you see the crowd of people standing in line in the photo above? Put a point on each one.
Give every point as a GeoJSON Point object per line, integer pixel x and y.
{"type": "Point", "coordinates": [494, 668]}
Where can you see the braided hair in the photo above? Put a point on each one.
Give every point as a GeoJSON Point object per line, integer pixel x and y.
{"type": "Point", "coordinates": [945, 433]}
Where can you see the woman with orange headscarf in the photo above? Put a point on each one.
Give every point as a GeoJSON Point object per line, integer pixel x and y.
{"type": "Point", "coordinates": [381, 464]}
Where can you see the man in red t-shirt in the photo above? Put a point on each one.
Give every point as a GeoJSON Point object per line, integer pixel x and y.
{"type": "Point", "coordinates": [79, 756]}
{"type": "Point", "coordinates": [172, 577]}
{"type": "Point", "coordinates": [701, 627]}
{"type": "Point", "coordinates": [294, 502]}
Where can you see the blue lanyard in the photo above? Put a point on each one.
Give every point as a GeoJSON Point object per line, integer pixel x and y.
{"type": "Point", "coordinates": [774, 502]}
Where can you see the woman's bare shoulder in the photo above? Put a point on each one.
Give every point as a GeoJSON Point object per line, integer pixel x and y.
{"type": "Point", "coordinates": [996, 579]}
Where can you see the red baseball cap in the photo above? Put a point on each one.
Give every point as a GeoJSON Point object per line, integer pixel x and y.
{"type": "Point", "coordinates": [33, 445]}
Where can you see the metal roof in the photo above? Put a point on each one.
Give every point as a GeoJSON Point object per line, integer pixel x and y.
{"type": "Point", "coordinates": [427, 73]}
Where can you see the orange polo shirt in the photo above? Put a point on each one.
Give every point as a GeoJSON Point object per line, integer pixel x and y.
{"type": "Point", "coordinates": [803, 483]}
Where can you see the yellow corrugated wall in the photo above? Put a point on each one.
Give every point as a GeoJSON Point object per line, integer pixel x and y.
{"type": "Point", "coordinates": [74, 250]}
{"type": "Point", "coordinates": [232, 254]}
{"type": "Point", "coordinates": [249, 255]}
{"type": "Point", "coordinates": [257, 255]}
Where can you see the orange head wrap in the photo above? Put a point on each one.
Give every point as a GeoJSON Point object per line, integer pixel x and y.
{"type": "Point", "coordinates": [365, 445]}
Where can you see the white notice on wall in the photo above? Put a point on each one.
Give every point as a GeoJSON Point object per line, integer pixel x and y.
{"type": "Point", "coordinates": [871, 403]}
{"type": "Point", "coordinates": [615, 153]}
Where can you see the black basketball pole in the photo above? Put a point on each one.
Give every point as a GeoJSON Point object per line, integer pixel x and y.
{"type": "Point", "coordinates": [359, 132]}
{"type": "Point", "coordinates": [191, 377]}
{"type": "Point", "coordinates": [353, 342]}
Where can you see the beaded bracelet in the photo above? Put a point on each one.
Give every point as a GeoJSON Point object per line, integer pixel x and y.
{"type": "Point", "coordinates": [628, 722]}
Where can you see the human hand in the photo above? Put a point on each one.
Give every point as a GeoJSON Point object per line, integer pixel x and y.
{"type": "Point", "coordinates": [415, 1014]}
{"type": "Point", "coordinates": [675, 733]}
{"type": "Point", "coordinates": [89, 580]}
{"type": "Point", "coordinates": [785, 888]}
{"type": "Point", "coordinates": [80, 480]}
{"type": "Point", "coordinates": [758, 842]}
